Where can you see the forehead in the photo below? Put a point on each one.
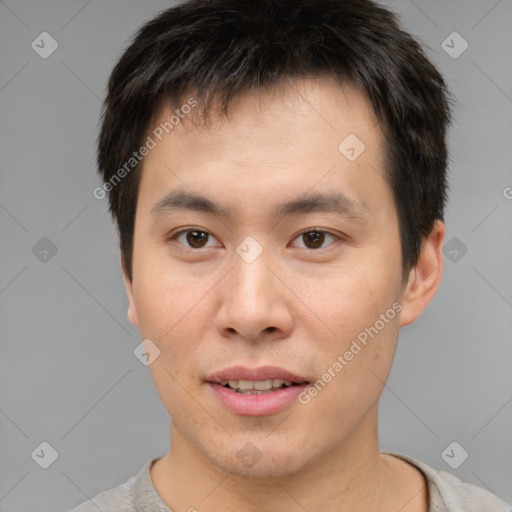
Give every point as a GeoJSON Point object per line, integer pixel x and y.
{"type": "Point", "coordinates": [321, 102]}
{"type": "Point", "coordinates": [294, 135]}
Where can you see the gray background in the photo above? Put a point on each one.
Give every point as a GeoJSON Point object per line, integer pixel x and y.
{"type": "Point", "coordinates": [68, 375]}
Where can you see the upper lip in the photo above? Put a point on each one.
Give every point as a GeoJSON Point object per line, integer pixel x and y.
{"type": "Point", "coordinates": [255, 374]}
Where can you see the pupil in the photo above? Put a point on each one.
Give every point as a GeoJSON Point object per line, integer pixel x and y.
{"type": "Point", "coordinates": [316, 238]}
{"type": "Point", "coordinates": [196, 238]}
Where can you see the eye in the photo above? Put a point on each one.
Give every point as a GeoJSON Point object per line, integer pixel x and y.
{"type": "Point", "coordinates": [192, 238]}
{"type": "Point", "coordinates": [198, 239]}
{"type": "Point", "coordinates": [314, 238]}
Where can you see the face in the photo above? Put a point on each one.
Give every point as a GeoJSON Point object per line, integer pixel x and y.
{"type": "Point", "coordinates": [266, 272]}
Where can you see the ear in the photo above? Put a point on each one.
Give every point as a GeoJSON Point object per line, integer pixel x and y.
{"type": "Point", "coordinates": [132, 308]}
{"type": "Point", "coordinates": [425, 278]}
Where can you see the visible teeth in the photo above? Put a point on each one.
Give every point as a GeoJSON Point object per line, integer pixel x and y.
{"type": "Point", "coordinates": [262, 385]}
{"type": "Point", "coordinates": [259, 385]}
{"type": "Point", "coordinates": [244, 385]}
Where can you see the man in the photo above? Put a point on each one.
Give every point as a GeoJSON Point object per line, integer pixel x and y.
{"type": "Point", "coordinates": [277, 173]}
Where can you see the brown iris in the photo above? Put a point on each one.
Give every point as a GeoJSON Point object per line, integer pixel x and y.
{"type": "Point", "coordinates": [315, 238]}
{"type": "Point", "coordinates": [197, 239]}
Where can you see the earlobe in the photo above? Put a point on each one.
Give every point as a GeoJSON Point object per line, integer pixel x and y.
{"type": "Point", "coordinates": [132, 308]}
{"type": "Point", "coordinates": [425, 278]}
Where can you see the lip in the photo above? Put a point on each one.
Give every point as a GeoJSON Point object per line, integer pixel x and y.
{"type": "Point", "coordinates": [256, 405]}
{"type": "Point", "coordinates": [261, 373]}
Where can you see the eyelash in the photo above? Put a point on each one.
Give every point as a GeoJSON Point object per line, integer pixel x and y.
{"type": "Point", "coordinates": [174, 236]}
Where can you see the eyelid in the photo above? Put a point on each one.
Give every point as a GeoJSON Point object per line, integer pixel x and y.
{"type": "Point", "coordinates": [179, 231]}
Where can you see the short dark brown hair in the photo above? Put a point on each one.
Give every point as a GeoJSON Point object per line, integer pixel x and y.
{"type": "Point", "coordinates": [218, 49]}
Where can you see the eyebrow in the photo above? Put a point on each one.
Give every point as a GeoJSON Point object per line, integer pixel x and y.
{"type": "Point", "coordinates": [329, 202]}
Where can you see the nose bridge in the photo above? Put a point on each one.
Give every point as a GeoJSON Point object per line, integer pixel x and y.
{"type": "Point", "coordinates": [252, 302]}
{"type": "Point", "coordinates": [250, 277]}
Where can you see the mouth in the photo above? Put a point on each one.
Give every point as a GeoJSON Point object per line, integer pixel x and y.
{"type": "Point", "coordinates": [256, 391]}
{"type": "Point", "coordinates": [259, 387]}
{"type": "Point", "coordinates": [251, 381]}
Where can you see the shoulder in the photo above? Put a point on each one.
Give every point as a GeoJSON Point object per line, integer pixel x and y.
{"type": "Point", "coordinates": [121, 498]}
{"type": "Point", "coordinates": [450, 494]}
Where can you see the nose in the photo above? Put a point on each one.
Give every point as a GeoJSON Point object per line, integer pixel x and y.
{"type": "Point", "coordinates": [255, 304]}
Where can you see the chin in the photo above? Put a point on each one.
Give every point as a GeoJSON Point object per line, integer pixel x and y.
{"type": "Point", "coordinates": [259, 459]}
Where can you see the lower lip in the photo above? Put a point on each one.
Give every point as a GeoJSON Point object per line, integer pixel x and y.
{"type": "Point", "coordinates": [257, 405]}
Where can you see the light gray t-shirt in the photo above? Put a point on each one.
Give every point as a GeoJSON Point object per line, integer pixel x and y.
{"type": "Point", "coordinates": [447, 494]}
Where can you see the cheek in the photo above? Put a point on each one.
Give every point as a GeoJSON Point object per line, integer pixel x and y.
{"type": "Point", "coordinates": [361, 310]}
{"type": "Point", "coordinates": [352, 380]}
{"type": "Point", "coordinates": [345, 301]}
{"type": "Point", "coordinates": [172, 313]}
{"type": "Point", "coordinates": [171, 309]}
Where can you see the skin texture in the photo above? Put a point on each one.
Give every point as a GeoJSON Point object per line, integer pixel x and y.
{"type": "Point", "coordinates": [207, 309]}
